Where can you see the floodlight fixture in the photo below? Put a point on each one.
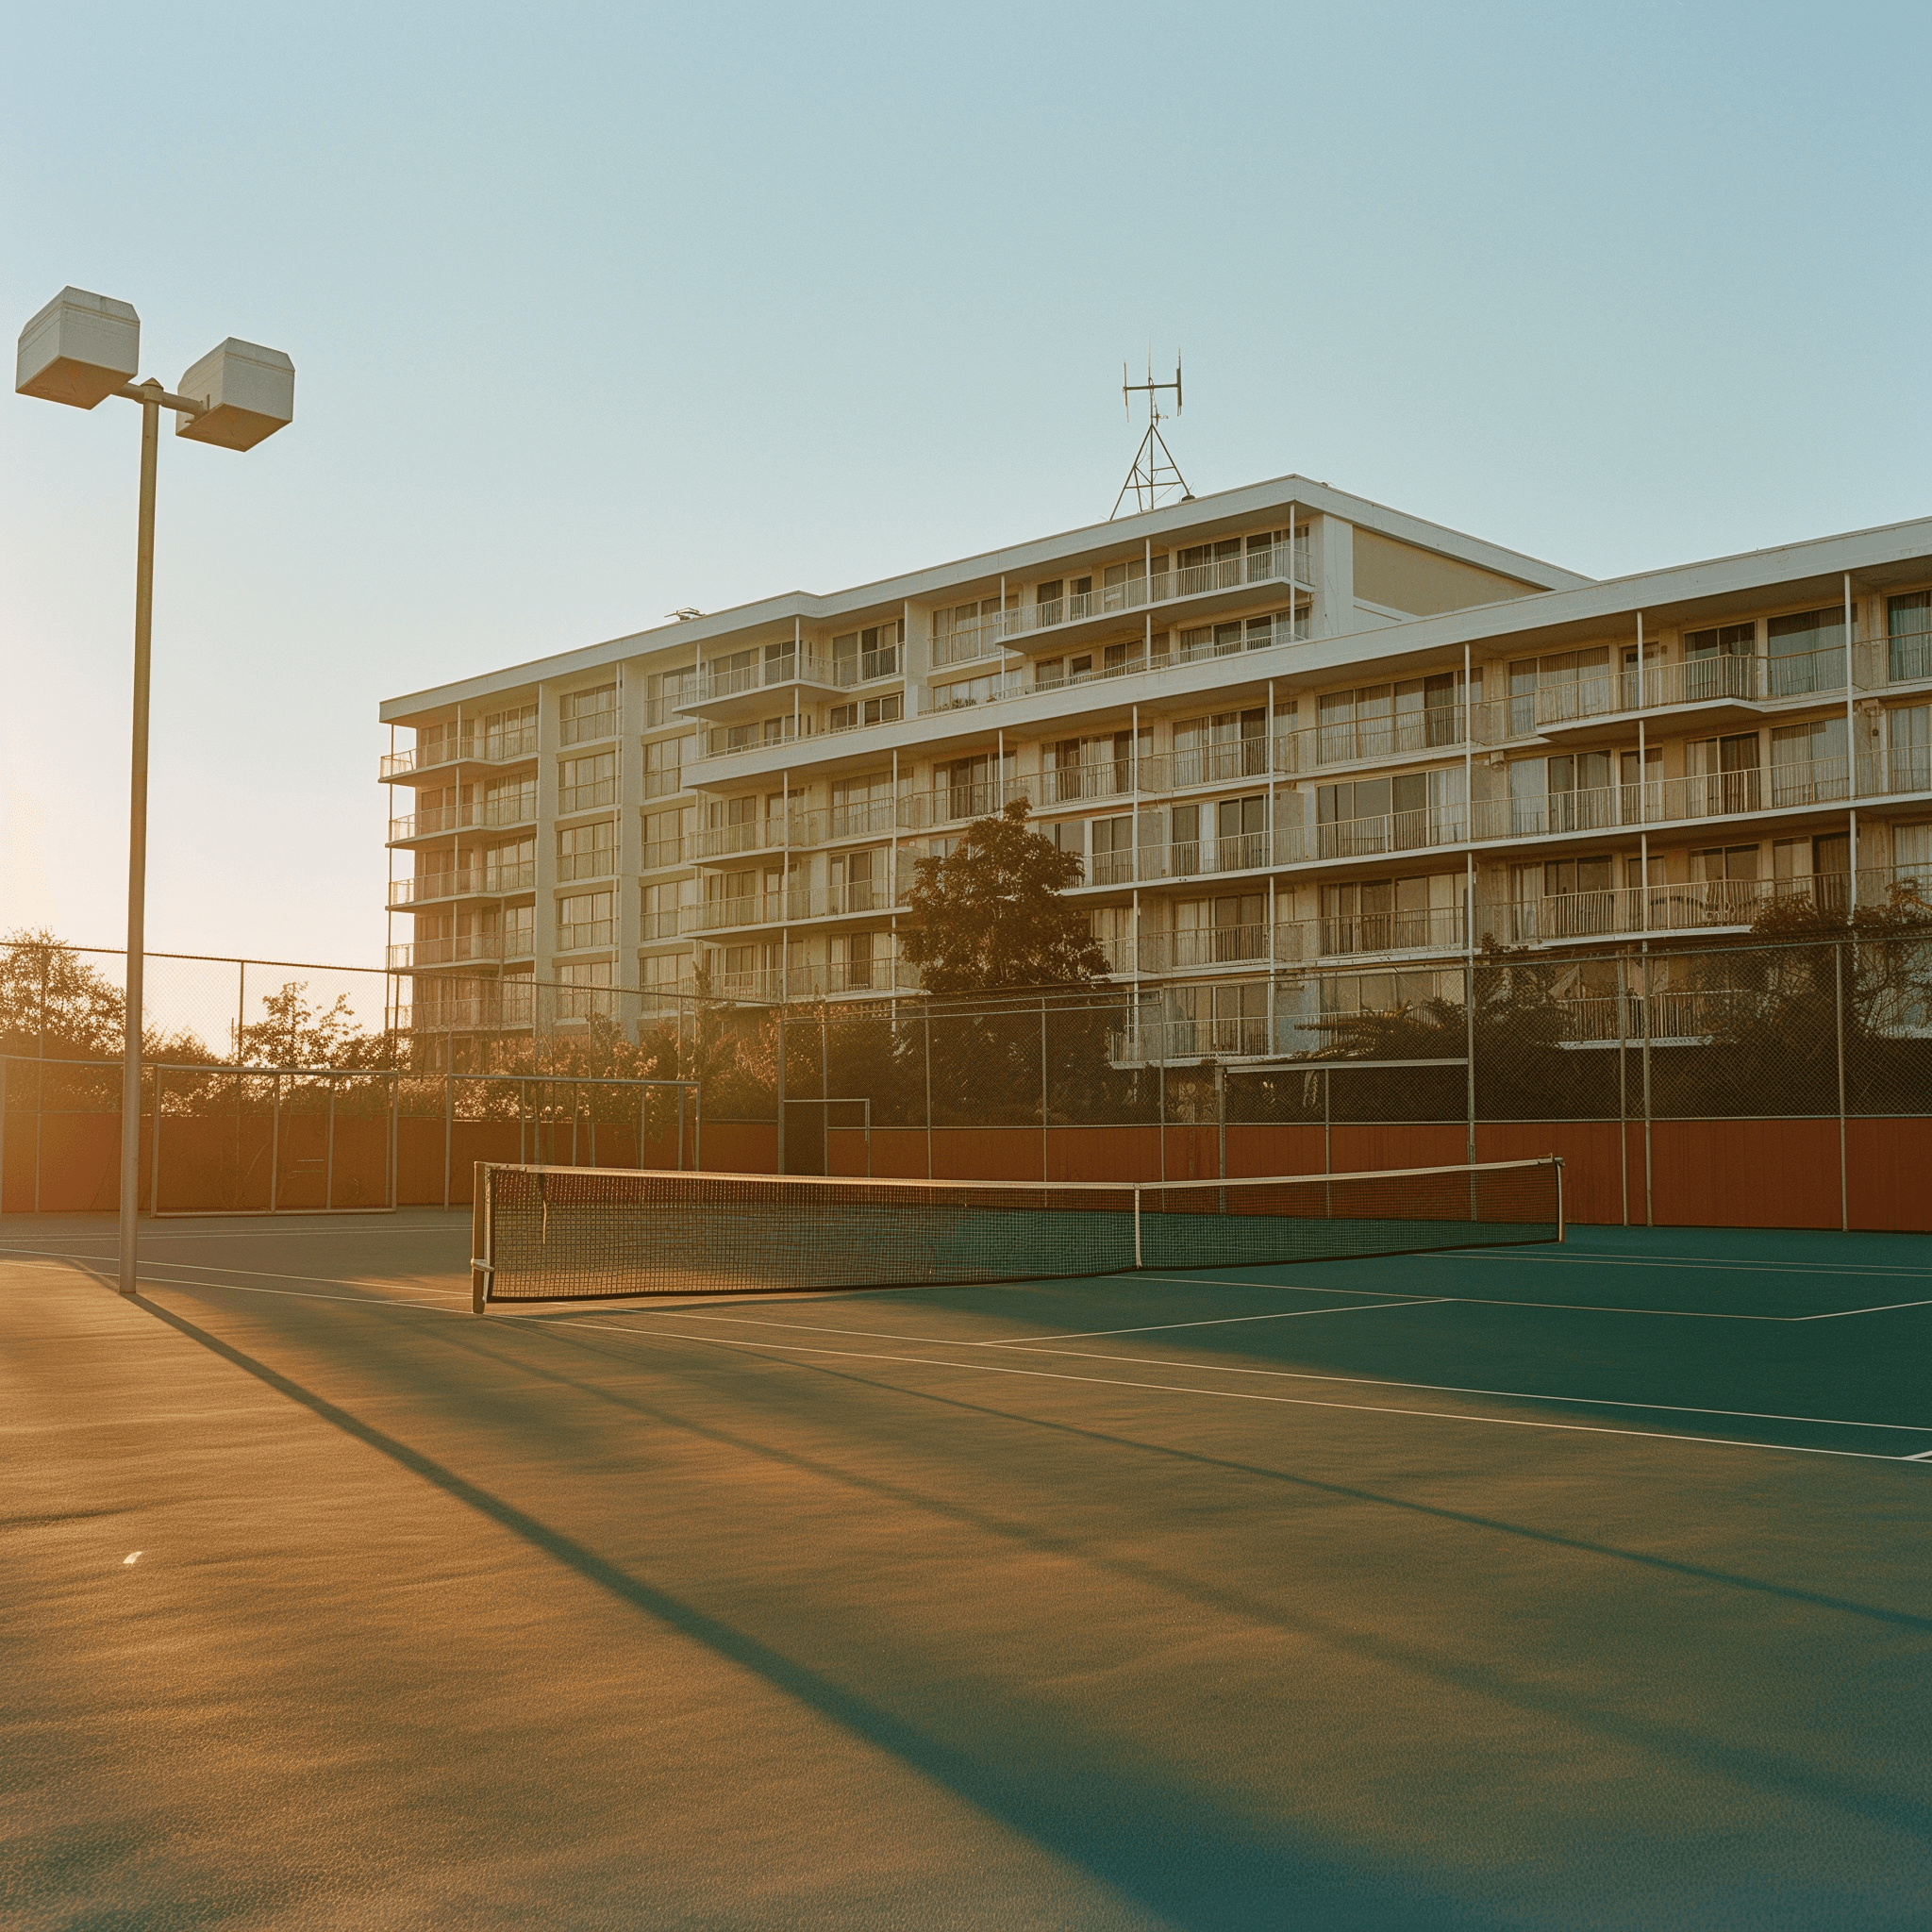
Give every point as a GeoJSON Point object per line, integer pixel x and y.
{"type": "Point", "coordinates": [79, 350]}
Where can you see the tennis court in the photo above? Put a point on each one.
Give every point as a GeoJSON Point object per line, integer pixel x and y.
{"type": "Point", "coordinates": [1578, 1585]}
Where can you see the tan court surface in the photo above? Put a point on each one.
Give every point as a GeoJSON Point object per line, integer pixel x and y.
{"type": "Point", "coordinates": [1578, 1587]}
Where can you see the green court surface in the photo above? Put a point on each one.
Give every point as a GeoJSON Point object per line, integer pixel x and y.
{"type": "Point", "coordinates": [1578, 1586]}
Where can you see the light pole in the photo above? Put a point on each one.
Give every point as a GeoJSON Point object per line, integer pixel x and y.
{"type": "Point", "coordinates": [81, 349]}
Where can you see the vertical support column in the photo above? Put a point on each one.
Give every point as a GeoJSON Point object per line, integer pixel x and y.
{"type": "Point", "coordinates": [1043, 1172]}
{"type": "Point", "coordinates": [1649, 1209]}
{"type": "Point", "coordinates": [1851, 739]}
{"type": "Point", "coordinates": [449, 1120]}
{"type": "Point", "coordinates": [926, 1020]}
{"type": "Point", "coordinates": [480, 1256]}
{"type": "Point", "coordinates": [780, 1084]}
{"type": "Point", "coordinates": [1622, 1087]}
{"type": "Point", "coordinates": [137, 846]}
{"type": "Point", "coordinates": [1838, 979]}
{"type": "Point", "coordinates": [328, 1165]}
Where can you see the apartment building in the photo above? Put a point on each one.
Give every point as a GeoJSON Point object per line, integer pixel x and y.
{"type": "Point", "coordinates": [1310, 750]}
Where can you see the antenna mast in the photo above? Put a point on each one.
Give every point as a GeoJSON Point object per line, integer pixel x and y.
{"type": "Point", "coordinates": [1155, 471]}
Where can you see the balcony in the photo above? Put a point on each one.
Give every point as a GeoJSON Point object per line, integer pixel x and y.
{"type": "Point", "coordinates": [458, 949]}
{"type": "Point", "coordinates": [582, 934]}
{"type": "Point", "coordinates": [726, 690]}
{"type": "Point", "coordinates": [1908, 657]}
{"type": "Point", "coordinates": [970, 642]}
{"type": "Point", "coordinates": [1737, 685]}
{"type": "Point", "coordinates": [585, 865]}
{"type": "Point", "coordinates": [482, 748]}
{"type": "Point", "coordinates": [509, 1006]}
{"type": "Point", "coordinates": [438, 819]}
{"type": "Point", "coordinates": [1154, 1043]}
{"type": "Point", "coordinates": [588, 729]}
{"type": "Point", "coordinates": [468, 882]}
{"type": "Point", "coordinates": [788, 905]}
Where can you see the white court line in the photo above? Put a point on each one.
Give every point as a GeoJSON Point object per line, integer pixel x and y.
{"type": "Point", "coordinates": [375, 1301]}
{"type": "Point", "coordinates": [1209, 1321]}
{"type": "Point", "coordinates": [362, 1222]}
{"type": "Point", "coordinates": [1586, 1259]}
{"type": "Point", "coordinates": [981, 1367]}
{"type": "Point", "coordinates": [1028, 1346]}
{"type": "Point", "coordinates": [1838, 1314]}
{"type": "Point", "coordinates": [1763, 1415]}
{"type": "Point", "coordinates": [1480, 1301]}
{"type": "Point", "coordinates": [264, 1273]}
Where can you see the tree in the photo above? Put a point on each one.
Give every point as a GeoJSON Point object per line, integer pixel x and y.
{"type": "Point", "coordinates": [294, 1033]}
{"type": "Point", "coordinates": [988, 917]}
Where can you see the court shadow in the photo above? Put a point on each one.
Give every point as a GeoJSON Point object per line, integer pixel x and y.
{"type": "Point", "coordinates": [1166, 1844]}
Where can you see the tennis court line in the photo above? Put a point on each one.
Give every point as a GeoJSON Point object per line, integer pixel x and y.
{"type": "Point", "coordinates": [1209, 1321]}
{"type": "Point", "coordinates": [1762, 1415]}
{"type": "Point", "coordinates": [1483, 1301]}
{"type": "Point", "coordinates": [1838, 1314]}
{"type": "Point", "coordinates": [414, 1299]}
{"type": "Point", "coordinates": [1586, 1259]}
{"type": "Point", "coordinates": [1301, 1375]}
{"type": "Point", "coordinates": [264, 1273]}
{"type": "Point", "coordinates": [359, 1221]}
{"type": "Point", "coordinates": [982, 1366]}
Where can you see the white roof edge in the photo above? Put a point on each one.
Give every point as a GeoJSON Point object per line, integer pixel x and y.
{"type": "Point", "coordinates": [1247, 499]}
{"type": "Point", "coordinates": [1715, 576]}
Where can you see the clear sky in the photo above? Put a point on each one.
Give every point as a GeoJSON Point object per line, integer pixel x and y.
{"type": "Point", "coordinates": [597, 312]}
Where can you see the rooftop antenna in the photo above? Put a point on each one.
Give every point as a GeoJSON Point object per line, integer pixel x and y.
{"type": "Point", "coordinates": [1155, 471]}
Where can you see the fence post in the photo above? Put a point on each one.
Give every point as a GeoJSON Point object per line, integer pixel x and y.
{"type": "Point", "coordinates": [1622, 1087]}
{"type": "Point", "coordinates": [3, 1133]}
{"type": "Point", "coordinates": [1469, 1051]}
{"type": "Point", "coordinates": [449, 1104]}
{"type": "Point", "coordinates": [1645, 1007]}
{"type": "Point", "coordinates": [1043, 1168]}
{"type": "Point", "coordinates": [1837, 976]}
{"type": "Point", "coordinates": [925, 1020]}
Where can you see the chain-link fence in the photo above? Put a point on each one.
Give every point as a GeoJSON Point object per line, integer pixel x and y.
{"type": "Point", "coordinates": [1703, 1083]}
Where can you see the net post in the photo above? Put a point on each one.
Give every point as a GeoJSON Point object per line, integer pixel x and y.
{"type": "Point", "coordinates": [480, 1256]}
{"type": "Point", "coordinates": [1561, 1222]}
{"type": "Point", "coordinates": [1137, 1228]}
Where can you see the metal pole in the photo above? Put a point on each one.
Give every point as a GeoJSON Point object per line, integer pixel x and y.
{"type": "Point", "coordinates": [1838, 975]}
{"type": "Point", "coordinates": [926, 1018]}
{"type": "Point", "coordinates": [1649, 1211]}
{"type": "Point", "coordinates": [449, 1115]}
{"type": "Point", "coordinates": [1623, 1090]}
{"type": "Point", "coordinates": [1043, 1174]}
{"type": "Point", "coordinates": [137, 839]}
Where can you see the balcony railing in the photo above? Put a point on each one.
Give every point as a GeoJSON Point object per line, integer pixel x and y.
{"type": "Point", "coordinates": [1274, 564]}
{"type": "Point", "coordinates": [864, 667]}
{"type": "Point", "coordinates": [1154, 1042]}
{"type": "Point", "coordinates": [470, 882]}
{"type": "Point", "coordinates": [508, 1007]}
{"type": "Point", "coordinates": [660, 925]}
{"type": "Point", "coordinates": [1908, 657]}
{"type": "Point", "coordinates": [520, 810]}
{"type": "Point", "coordinates": [789, 904]}
{"type": "Point", "coordinates": [586, 865]}
{"type": "Point", "coordinates": [575, 936]}
{"type": "Point", "coordinates": [783, 667]}
{"type": "Point", "coordinates": [454, 949]}
{"type": "Point", "coordinates": [484, 748]}
{"type": "Point", "coordinates": [589, 726]}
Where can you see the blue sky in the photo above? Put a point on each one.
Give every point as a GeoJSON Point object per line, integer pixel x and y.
{"type": "Point", "coordinates": [597, 312]}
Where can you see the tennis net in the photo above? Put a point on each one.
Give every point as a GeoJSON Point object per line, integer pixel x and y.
{"type": "Point", "coordinates": [547, 1234]}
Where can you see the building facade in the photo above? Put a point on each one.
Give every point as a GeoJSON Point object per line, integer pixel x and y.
{"type": "Point", "coordinates": [1311, 753]}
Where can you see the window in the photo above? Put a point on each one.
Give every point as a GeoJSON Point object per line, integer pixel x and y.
{"type": "Point", "coordinates": [665, 691]}
{"type": "Point", "coordinates": [1376, 720]}
{"type": "Point", "coordinates": [663, 839]}
{"type": "Point", "coordinates": [1391, 814]}
{"type": "Point", "coordinates": [861, 654]}
{"type": "Point", "coordinates": [1225, 744]}
{"type": "Point", "coordinates": [586, 852]}
{"type": "Point", "coordinates": [1909, 748]}
{"type": "Point", "coordinates": [1807, 651]}
{"type": "Point", "coordinates": [1566, 684]}
{"type": "Point", "coordinates": [660, 905]}
{"type": "Point", "coordinates": [1911, 856]}
{"type": "Point", "coordinates": [1214, 932]}
{"type": "Point", "coordinates": [1393, 915]}
{"type": "Point", "coordinates": [576, 997]}
{"type": "Point", "coordinates": [1809, 763]}
{"type": "Point", "coordinates": [511, 866]}
{"type": "Point", "coordinates": [664, 766]}
{"type": "Point", "coordinates": [1722, 775]}
{"type": "Point", "coordinates": [1909, 620]}
{"type": "Point", "coordinates": [1123, 586]}
{"type": "Point", "coordinates": [583, 919]}
{"type": "Point", "coordinates": [863, 805]}
{"type": "Point", "coordinates": [510, 801]}
{"type": "Point", "coordinates": [509, 734]}
{"type": "Point", "coordinates": [1112, 862]}
{"type": "Point", "coordinates": [966, 630]}
{"type": "Point", "coordinates": [859, 880]}
{"type": "Point", "coordinates": [587, 714]}
{"type": "Point", "coordinates": [883, 710]}
{"type": "Point", "coordinates": [585, 783]}
{"type": "Point", "coordinates": [1240, 833]}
